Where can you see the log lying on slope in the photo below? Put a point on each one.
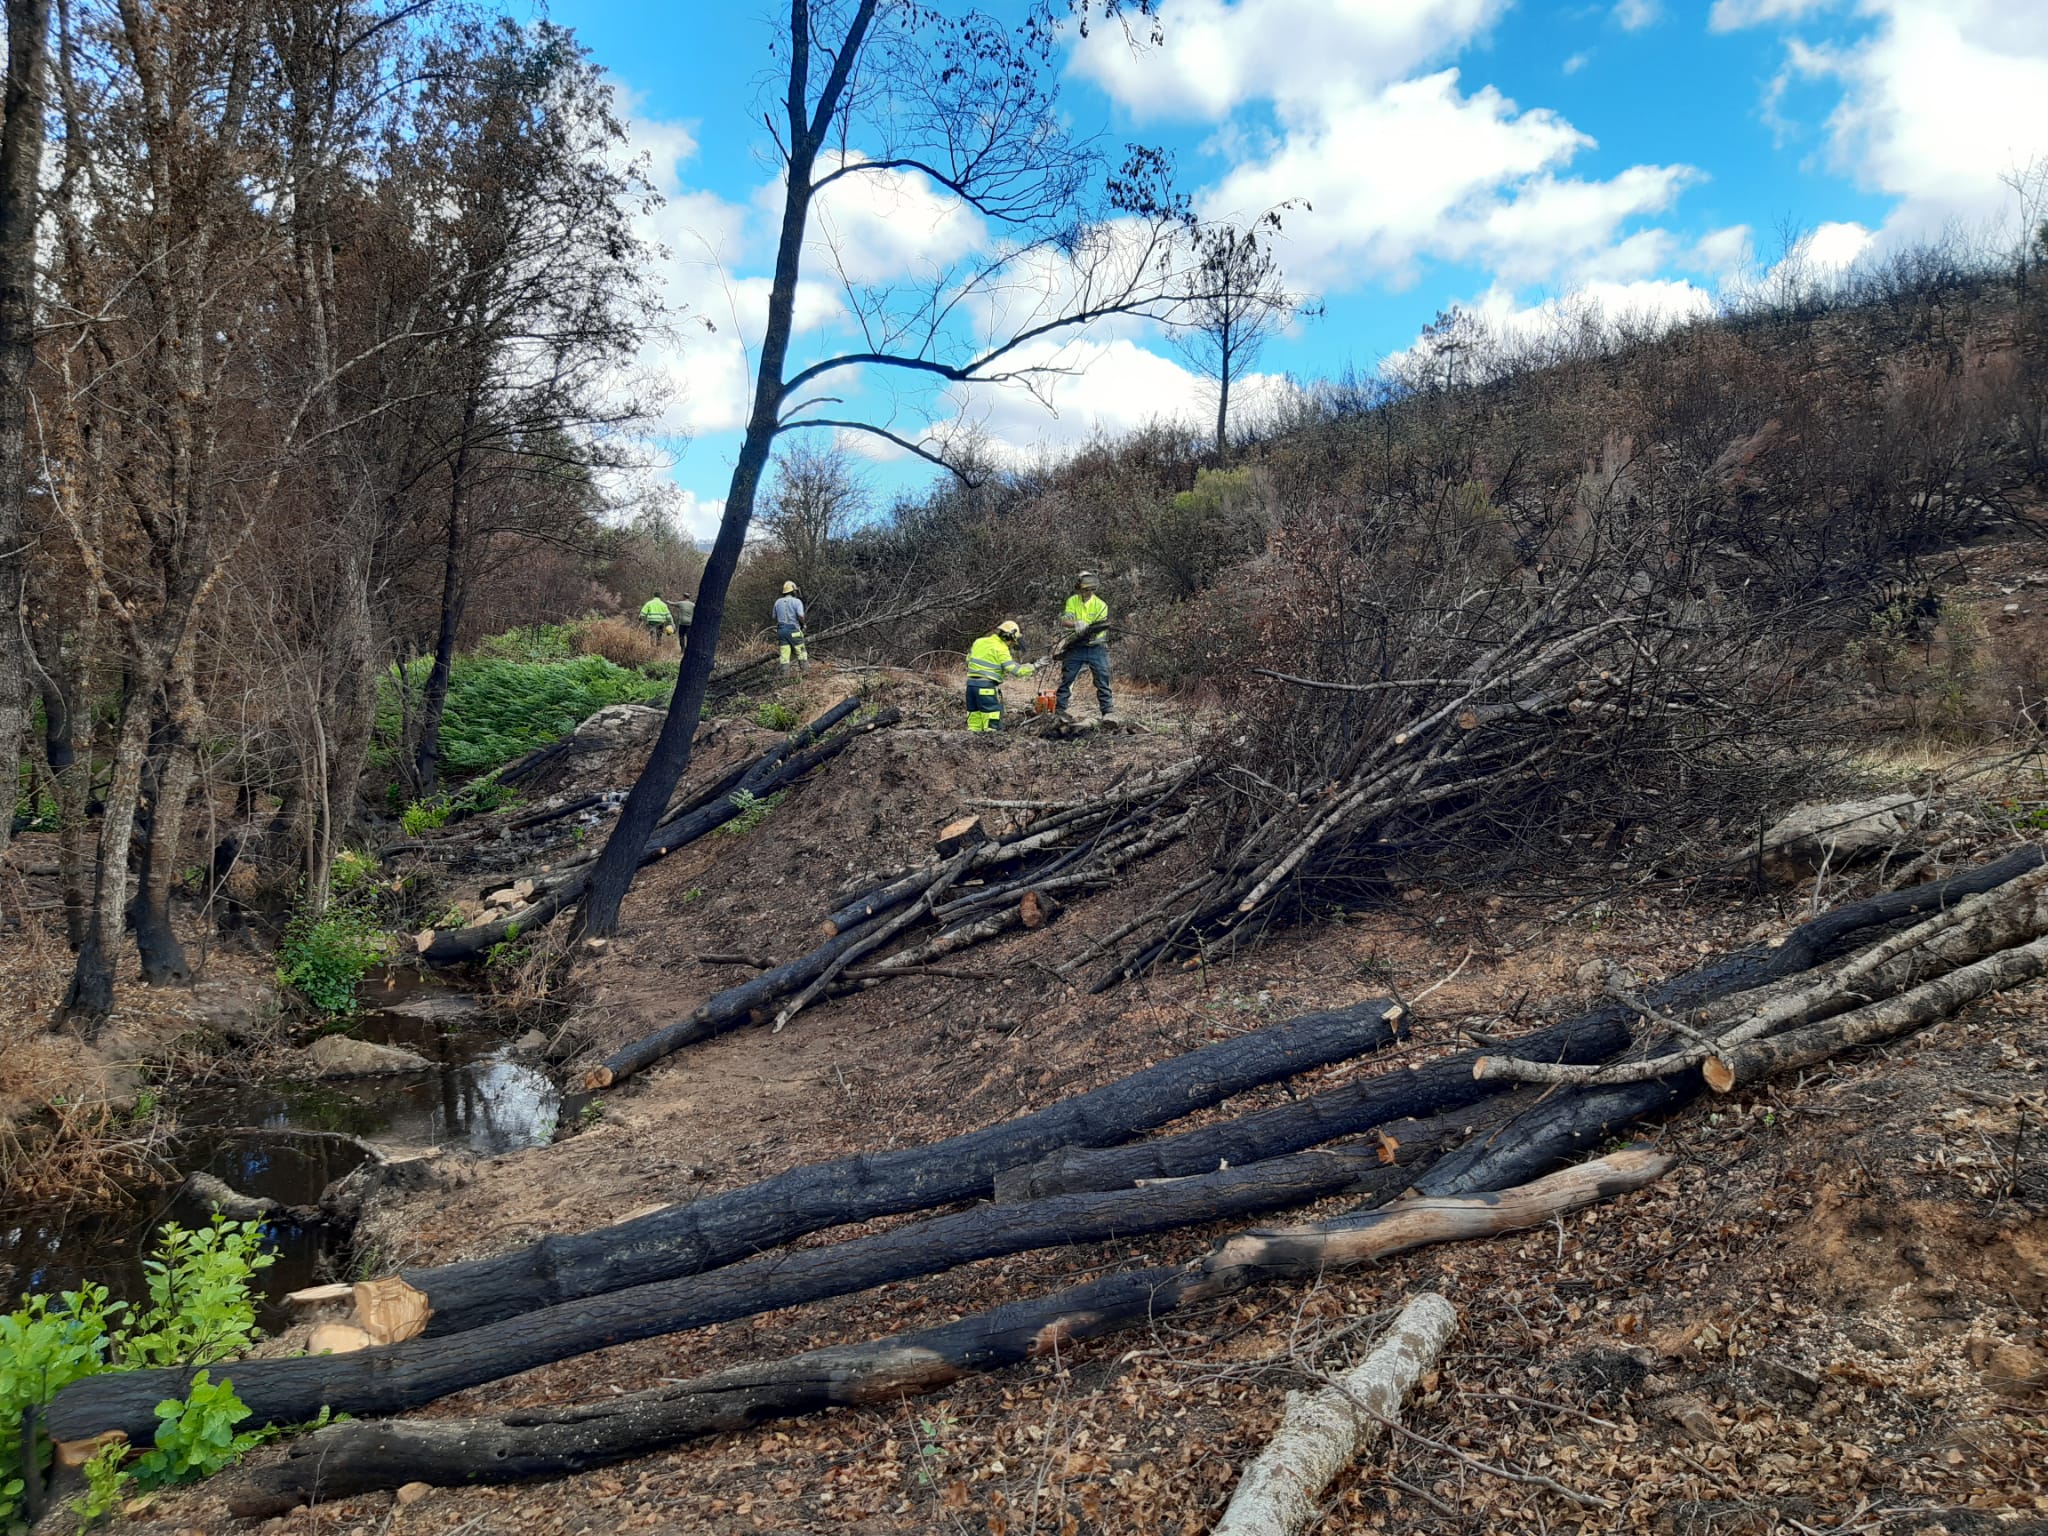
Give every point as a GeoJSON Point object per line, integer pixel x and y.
{"type": "Point", "coordinates": [1281, 1491]}
{"type": "Point", "coordinates": [1350, 1110]}
{"type": "Point", "coordinates": [718, 1229]}
{"type": "Point", "coordinates": [346, 1459]}
{"type": "Point", "coordinates": [1575, 1118]}
{"type": "Point", "coordinates": [394, 1377]}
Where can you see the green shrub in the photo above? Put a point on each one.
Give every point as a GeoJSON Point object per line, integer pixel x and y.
{"type": "Point", "coordinates": [530, 642]}
{"type": "Point", "coordinates": [423, 816]}
{"type": "Point", "coordinates": [353, 874]}
{"type": "Point", "coordinates": [499, 710]}
{"type": "Point", "coordinates": [773, 715]}
{"type": "Point", "coordinates": [324, 958]}
{"type": "Point", "coordinates": [752, 810]}
{"type": "Point", "coordinates": [37, 811]}
{"type": "Point", "coordinates": [201, 1311]}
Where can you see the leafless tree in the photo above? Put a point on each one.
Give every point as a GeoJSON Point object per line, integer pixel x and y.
{"type": "Point", "coordinates": [969, 108]}
{"type": "Point", "coordinates": [1237, 297]}
{"type": "Point", "coordinates": [817, 495]}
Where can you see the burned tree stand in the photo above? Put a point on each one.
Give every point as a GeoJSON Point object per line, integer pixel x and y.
{"type": "Point", "coordinates": [718, 1229]}
{"type": "Point", "coordinates": [354, 1458]}
{"type": "Point", "coordinates": [394, 1377]}
{"type": "Point", "coordinates": [700, 814]}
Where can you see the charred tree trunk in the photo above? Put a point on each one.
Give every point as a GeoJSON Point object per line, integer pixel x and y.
{"type": "Point", "coordinates": [394, 1377]}
{"type": "Point", "coordinates": [356, 1458]}
{"type": "Point", "coordinates": [721, 1228]}
{"type": "Point", "coordinates": [426, 760]}
{"type": "Point", "coordinates": [156, 941]}
{"type": "Point", "coordinates": [90, 997]}
{"type": "Point", "coordinates": [1348, 1111]}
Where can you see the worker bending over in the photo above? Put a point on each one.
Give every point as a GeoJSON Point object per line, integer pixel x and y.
{"type": "Point", "coordinates": [1087, 646]}
{"type": "Point", "coordinates": [988, 664]}
{"type": "Point", "coordinates": [789, 628]}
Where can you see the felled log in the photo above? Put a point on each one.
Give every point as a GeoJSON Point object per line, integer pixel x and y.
{"type": "Point", "coordinates": [1573, 1119]}
{"type": "Point", "coordinates": [1321, 1432]}
{"type": "Point", "coordinates": [1812, 1044]}
{"type": "Point", "coordinates": [352, 1458]}
{"type": "Point", "coordinates": [395, 1377]}
{"type": "Point", "coordinates": [1350, 1110]}
{"type": "Point", "coordinates": [721, 1228]}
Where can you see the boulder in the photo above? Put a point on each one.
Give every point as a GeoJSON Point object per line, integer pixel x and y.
{"type": "Point", "coordinates": [620, 725]}
{"type": "Point", "coordinates": [342, 1056]}
{"type": "Point", "coordinates": [1839, 833]}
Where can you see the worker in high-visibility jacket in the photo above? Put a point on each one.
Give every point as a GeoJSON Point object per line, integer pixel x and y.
{"type": "Point", "coordinates": [1086, 647]}
{"type": "Point", "coordinates": [989, 662]}
{"type": "Point", "coordinates": [789, 628]}
{"type": "Point", "coordinates": [654, 613]}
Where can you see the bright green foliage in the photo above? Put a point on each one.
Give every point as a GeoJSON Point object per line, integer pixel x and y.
{"type": "Point", "coordinates": [776, 716]}
{"type": "Point", "coordinates": [106, 1484]}
{"type": "Point", "coordinates": [532, 642]}
{"type": "Point", "coordinates": [200, 1311]}
{"type": "Point", "coordinates": [199, 1302]}
{"type": "Point", "coordinates": [752, 809]}
{"type": "Point", "coordinates": [499, 709]}
{"type": "Point", "coordinates": [195, 1438]}
{"type": "Point", "coordinates": [324, 958]}
{"type": "Point", "coordinates": [422, 817]}
{"type": "Point", "coordinates": [352, 874]}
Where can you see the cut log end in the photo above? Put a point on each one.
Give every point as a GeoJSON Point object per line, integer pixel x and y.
{"type": "Point", "coordinates": [73, 1454]}
{"type": "Point", "coordinates": [1719, 1075]}
{"type": "Point", "coordinates": [338, 1339]}
{"type": "Point", "coordinates": [597, 1078]}
{"type": "Point", "coordinates": [390, 1310]}
{"type": "Point", "coordinates": [965, 833]}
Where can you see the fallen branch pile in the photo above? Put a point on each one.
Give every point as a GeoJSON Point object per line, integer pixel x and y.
{"type": "Point", "coordinates": [694, 817]}
{"type": "Point", "coordinates": [358, 1457]}
{"type": "Point", "coordinates": [979, 887]}
{"type": "Point", "coordinates": [1462, 722]}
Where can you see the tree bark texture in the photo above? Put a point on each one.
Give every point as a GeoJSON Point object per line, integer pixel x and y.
{"type": "Point", "coordinates": [1280, 1492]}
{"type": "Point", "coordinates": [21, 160]}
{"type": "Point", "coordinates": [355, 1458]}
{"type": "Point", "coordinates": [1352, 1110]}
{"type": "Point", "coordinates": [395, 1377]}
{"type": "Point", "coordinates": [718, 1229]}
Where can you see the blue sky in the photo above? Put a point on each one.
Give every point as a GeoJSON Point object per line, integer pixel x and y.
{"type": "Point", "coordinates": [1645, 156]}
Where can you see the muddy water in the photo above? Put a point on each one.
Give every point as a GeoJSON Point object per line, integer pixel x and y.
{"type": "Point", "coordinates": [287, 1139]}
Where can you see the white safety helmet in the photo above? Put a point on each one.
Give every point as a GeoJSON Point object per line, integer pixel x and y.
{"type": "Point", "coordinates": [789, 589]}
{"type": "Point", "coordinates": [1009, 631]}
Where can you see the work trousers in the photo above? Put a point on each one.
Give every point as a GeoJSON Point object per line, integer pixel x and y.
{"type": "Point", "coordinates": [1089, 658]}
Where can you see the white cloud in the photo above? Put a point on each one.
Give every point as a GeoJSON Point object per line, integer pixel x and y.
{"type": "Point", "coordinates": [1219, 54]}
{"type": "Point", "coordinates": [698, 516]}
{"type": "Point", "coordinates": [876, 225]}
{"type": "Point", "coordinates": [1594, 311]}
{"type": "Point", "coordinates": [1424, 169]}
{"type": "Point", "coordinates": [1728, 15]}
{"type": "Point", "coordinates": [1634, 15]}
{"type": "Point", "coordinates": [1577, 62]}
{"type": "Point", "coordinates": [1722, 252]}
{"type": "Point", "coordinates": [1936, 98]}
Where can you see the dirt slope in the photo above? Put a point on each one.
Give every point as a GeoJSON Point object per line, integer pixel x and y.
{"type": "Point", "coordinates": [1829, 1318]}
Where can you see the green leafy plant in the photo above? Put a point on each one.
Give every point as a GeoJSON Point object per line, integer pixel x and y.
{"type": "Point", "coordinates": [422, 817]}
{"type": "Point", "coordinates": [201, 1310]}
{"type": "Point", "coordinates": [323, 959]}
{"type": "Point", "coordinates": [499, 709]}
{"type": "Point", "coordinates": [774, 715]}
{"type": "Point", "coordinates": [751, 810]}
{"type": "Point", "coordinates": [352, 873]}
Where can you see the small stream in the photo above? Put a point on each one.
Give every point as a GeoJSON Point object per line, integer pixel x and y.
{"type": "Point", "coordinates": [287, 1139]}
